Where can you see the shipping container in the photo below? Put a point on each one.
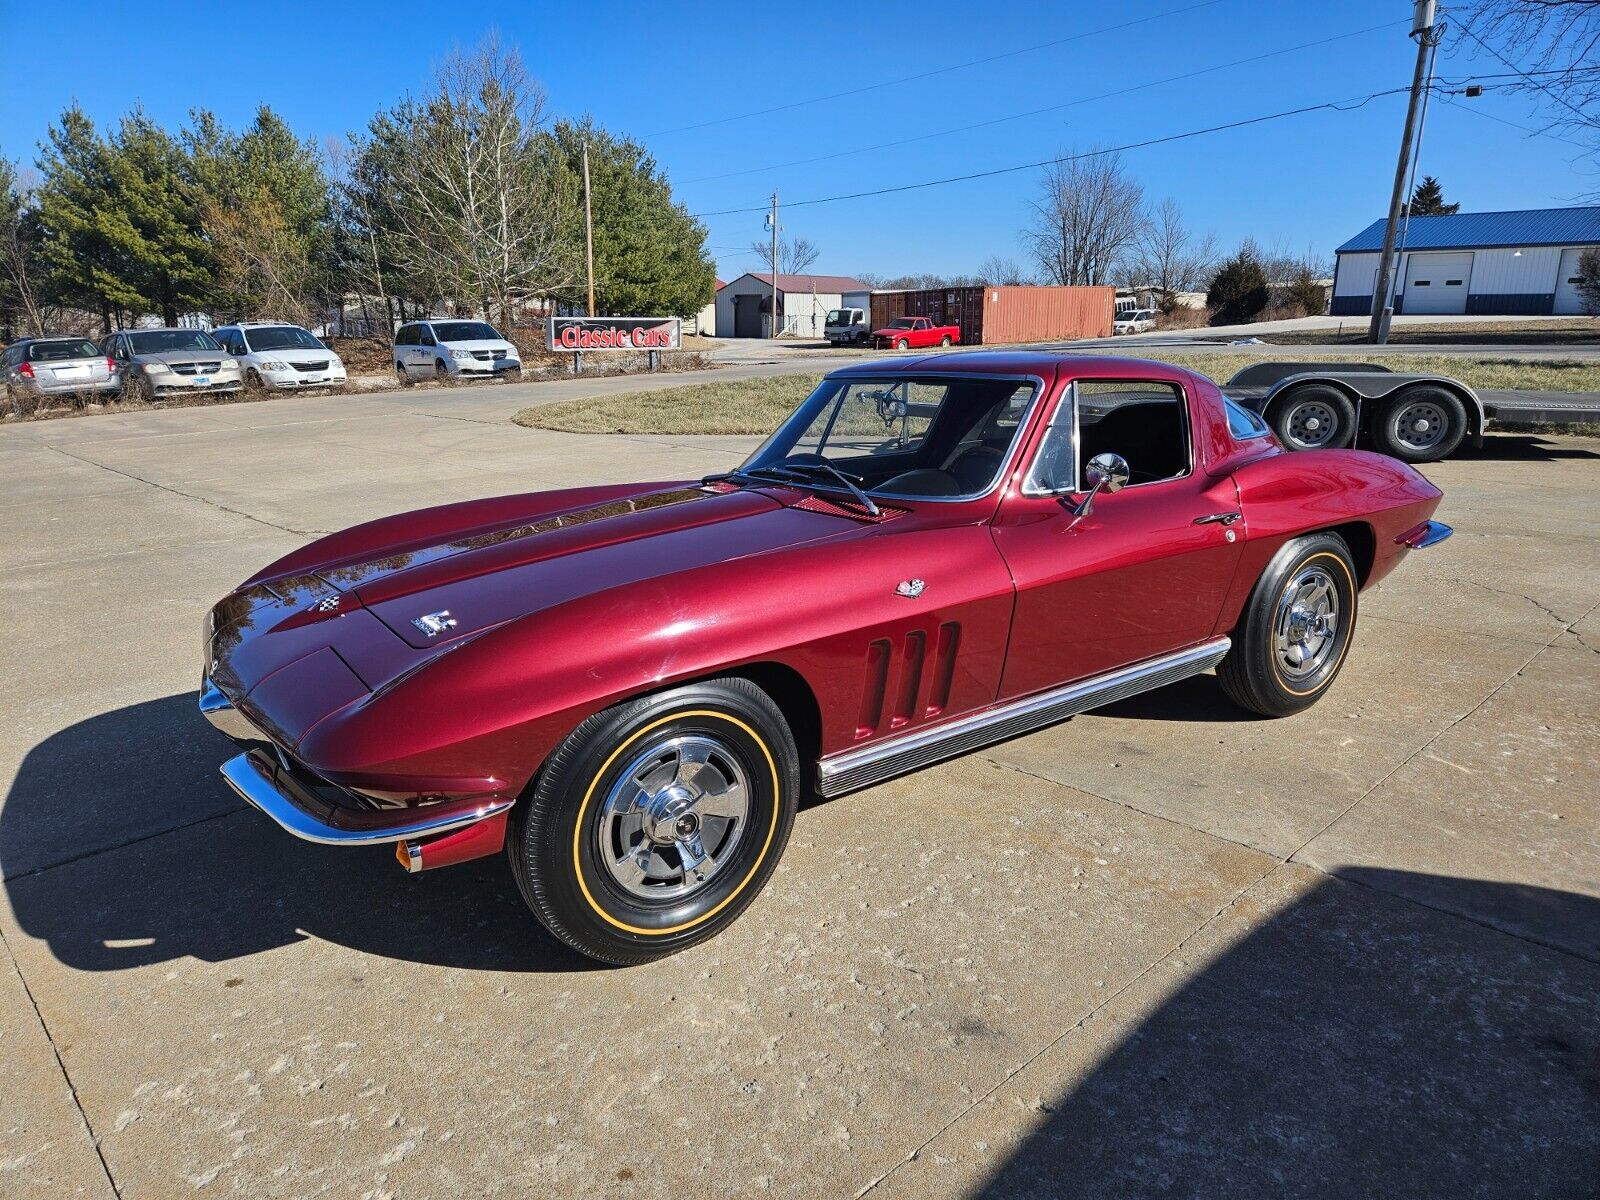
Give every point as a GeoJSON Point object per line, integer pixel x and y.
{"type": "Point", "coordinates": [990, 316]}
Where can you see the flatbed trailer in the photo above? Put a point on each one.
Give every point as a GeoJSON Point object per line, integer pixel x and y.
{"type": "Point", "coordinates": [1414, 417]}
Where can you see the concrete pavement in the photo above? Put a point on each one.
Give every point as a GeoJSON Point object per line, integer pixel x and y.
{"type": "Point", "coordinates": [1160, 949]}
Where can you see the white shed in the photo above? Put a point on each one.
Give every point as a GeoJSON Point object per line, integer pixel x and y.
{"type": "Point", "coordinates": [744, 306]}
{"type": "Point", "coordinates": [1485, 264]}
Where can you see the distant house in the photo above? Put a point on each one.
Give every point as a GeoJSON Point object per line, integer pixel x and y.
{"type": "Point", "coordinates": [1490, 264]}
{"type": "Point", "coordinates": [744, 305]}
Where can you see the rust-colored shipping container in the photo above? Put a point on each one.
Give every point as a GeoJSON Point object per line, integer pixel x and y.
{"type": "Point", "coordinates": [990, 316]}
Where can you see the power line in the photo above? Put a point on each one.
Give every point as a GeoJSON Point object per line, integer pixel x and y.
{"type": "Point", "coordinates": [1527, 129]}
{"type": "Point", "coordinates": [976, 62]}
{"type": "Point", "coordinates": [1528, 75]}
{"type": "Point", "coordinates": [1034, 112]}
{"type": "Point", "coordinates": [1349, 105]}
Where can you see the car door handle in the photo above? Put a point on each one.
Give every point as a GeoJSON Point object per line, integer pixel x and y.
{"type": "Point", "coordinates": [1223, 518]}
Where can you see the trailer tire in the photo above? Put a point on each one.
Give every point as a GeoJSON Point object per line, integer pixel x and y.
{"type": "Point", "coordinates": [1421, 423]}
{"type": "Point", "coordinates": [1313, 416]}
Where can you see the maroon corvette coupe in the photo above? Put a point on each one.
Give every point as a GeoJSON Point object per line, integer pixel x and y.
{"type": "Point", "coordinates": [628, 687]}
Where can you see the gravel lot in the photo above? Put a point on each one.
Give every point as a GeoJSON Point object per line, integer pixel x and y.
{"type": "Point", "coordinates": [1158, 950]}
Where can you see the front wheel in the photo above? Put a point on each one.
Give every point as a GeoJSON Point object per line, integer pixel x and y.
{"type": "Point", "coordinates": [656, 822]}
{"type": "Point", "coordinates": [1421, 424]}
{"type": "Point", "coordinates": [902, 344]}
{"type": "Point", "coordinates": [1296, 628]}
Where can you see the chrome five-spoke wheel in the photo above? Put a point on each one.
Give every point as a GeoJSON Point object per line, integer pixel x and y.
{"type": "Point", "coordinates": [1307, 622]}
{"type": "Point", "coordinates": [674, 817]}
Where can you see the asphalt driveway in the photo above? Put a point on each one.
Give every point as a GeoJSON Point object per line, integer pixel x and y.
{"type": "Point", "coordinates": [1158, 950]}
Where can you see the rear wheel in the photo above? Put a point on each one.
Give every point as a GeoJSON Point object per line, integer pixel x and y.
{"type": "Point", "coordinates": [945, 340]}
{"type": "Point", "coordinates": [1420, 424]}
{"type": "Point", "coordinates": [1296, 628]}
{"type": "Point", "coordinates": [1314, 416]}
{"type": "Point", "coordinates": [657, 821]}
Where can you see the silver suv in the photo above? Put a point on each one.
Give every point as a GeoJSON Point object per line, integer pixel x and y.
{"type": "Point", "coordinates": [164, 362]}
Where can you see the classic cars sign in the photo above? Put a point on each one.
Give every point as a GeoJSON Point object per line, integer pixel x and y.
{"type": "Point", "coordinates": [577, 335]}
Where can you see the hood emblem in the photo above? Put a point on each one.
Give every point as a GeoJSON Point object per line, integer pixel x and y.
{"type": "Point", "coordinates": [909, 588]}
{"type": "Point", "coordinates": [433, 624]}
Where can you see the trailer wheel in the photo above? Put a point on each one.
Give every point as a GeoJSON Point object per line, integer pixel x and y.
{"type": "Point", "coordinates": [1421, 423]}
{"type": "Point", "coordinates": [1314, 416]}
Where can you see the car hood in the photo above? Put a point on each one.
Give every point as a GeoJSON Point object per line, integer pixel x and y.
{"type": "Point", "coordinates": [174, 357]}
{"type": "Point", "coordinates": [481, 344]}
{"type": "Point", "coordinates": [299, 355]}
{"type": "Point", "coordinates": [361, 602]}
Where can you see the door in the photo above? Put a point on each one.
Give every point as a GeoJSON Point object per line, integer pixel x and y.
{"type": "Point", "coordinates": [424, 352]}
{"type": "Point", "coordinates": [1568, 299]}
{"type": "Point", "coordinates": [1437, 283]}
{"type": "Point", "coordinates": [1146, 571]}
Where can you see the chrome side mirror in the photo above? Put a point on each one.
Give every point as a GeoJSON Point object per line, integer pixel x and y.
{"type": "Point", "coordinates": [1105, 473]}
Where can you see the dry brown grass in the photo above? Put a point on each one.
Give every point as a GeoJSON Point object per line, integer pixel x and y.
{"type": "Point", "coordinates": [756, 406]}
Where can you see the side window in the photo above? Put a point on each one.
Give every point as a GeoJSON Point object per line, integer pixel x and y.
{"type": "Point", "coordinates": [1243, 423]}
{"type": "Point", "coordinates": [1145, 422]}
{"type": "Point", "coordinates": [403, 336]}
{"type": "Point", "coordinates": [425, 336]}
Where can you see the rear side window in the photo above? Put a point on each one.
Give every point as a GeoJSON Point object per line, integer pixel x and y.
{"type": "Point", "coordinates": [1243, 423]}
{"type": "Point", "coordinates": [1145, 422]}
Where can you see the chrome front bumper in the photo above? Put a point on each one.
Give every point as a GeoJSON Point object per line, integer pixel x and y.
{"type": "Point", "coordinates": [271, 788]}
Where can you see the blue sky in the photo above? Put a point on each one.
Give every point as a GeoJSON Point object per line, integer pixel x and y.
{"type": "Point", "coordinates": [650, 70]}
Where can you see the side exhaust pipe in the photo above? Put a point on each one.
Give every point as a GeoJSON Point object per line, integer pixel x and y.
{"type": "Point", "coordinates": [478, 840]}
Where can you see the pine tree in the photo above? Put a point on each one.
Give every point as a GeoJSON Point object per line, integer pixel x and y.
{"type": "Point", "coordinates": [82, 234]}
{"type": "Point", "coordinates": [158, 224]}
{"type": "Point", "coordinates": [1239, 290]}
{"type": "Point", "coordinates": [1428, 200]}
{"type": "Point", "coordinates": [649, 254]}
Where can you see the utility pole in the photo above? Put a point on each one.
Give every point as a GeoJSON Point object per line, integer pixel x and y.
{"type": "Point", "coordinates": [1423, 30]}
{"type": "Point", "coordinates": [772, 328]}
{"type": "Point", "coordinates": [588, 227]}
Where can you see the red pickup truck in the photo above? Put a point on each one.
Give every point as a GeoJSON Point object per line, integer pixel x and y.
{"type": "Point", "coordinates": [905, 333]}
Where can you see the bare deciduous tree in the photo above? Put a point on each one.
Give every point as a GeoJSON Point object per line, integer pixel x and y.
{"type": "Point", "coordinates": [1167, 257]}
{"type": "Point", "coordinates": [1089, 214]}
{"type": "Point", "coordinates": [480, 208]}
{"type": "Point", "coordinates": [19, 241]}
{"type": "Point", "coordinates": [1558, 43]}
{"type": "Point", "coordinates": [793, 257]}
{"type": "Point", "coordinates": [1003, 271]}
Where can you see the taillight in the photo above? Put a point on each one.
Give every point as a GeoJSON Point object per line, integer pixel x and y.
{"type": "Point", "coordinates": [25, 370]}
{"type": "Point", "coordinates": [111, 364]}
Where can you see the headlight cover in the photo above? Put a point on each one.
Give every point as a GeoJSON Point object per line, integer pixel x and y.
{"type": "Point", "coordinates": [460, 354]}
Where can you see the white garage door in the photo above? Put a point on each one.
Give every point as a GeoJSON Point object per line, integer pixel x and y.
{"type": "Point", "coordinates": [1567, 298]}
{"type": "Point", "coordinates": [1437, 283]}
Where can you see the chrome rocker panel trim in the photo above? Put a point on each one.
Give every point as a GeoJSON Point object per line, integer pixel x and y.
{"type": "Point", "coordinates": [257, 789]}
{"type": "Point", "coordinates": [850, 770]}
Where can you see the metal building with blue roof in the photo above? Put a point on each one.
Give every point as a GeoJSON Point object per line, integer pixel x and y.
{"type": "Point", "coordinates": [1488, 264]}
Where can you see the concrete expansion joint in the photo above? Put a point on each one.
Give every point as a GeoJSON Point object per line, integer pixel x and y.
{"type": "Point", "coordinates": [66, 1077]}
{"type": "Point", "coordinates": [305, 533]}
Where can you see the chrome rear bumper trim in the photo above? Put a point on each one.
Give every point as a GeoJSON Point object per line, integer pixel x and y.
{"type": "Point", "coordinates": [257, 788]}
{"type": "Point", "coordinates": [852, 769]}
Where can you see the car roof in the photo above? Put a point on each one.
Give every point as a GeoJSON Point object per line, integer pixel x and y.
{"type": "Point", "coordinates": [1043, 363]}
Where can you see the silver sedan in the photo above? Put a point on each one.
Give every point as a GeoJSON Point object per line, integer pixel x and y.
{"type": "Point", "coordinates": [164, 362]}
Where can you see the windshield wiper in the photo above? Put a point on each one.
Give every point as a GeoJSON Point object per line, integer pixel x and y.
{"type": "Point", "coordinates": [796, 473]}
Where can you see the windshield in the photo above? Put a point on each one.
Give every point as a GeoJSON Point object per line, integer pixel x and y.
{"type": "Point", "coordinates": [464, 331]}
{"type": "Point", "coordinates": [838, 316]}
{"type": "Point", "coordinates": [162, 341]}
{"type": "Point", "coordinates": [925, 436]}
{"type": "Point", "coordinates": [55, 351]}
{"type": "Point", "coordinates": [281, 337]}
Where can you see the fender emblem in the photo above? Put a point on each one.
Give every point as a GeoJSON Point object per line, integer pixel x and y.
{"type": "Point", "coordinates": [433, 624]}
{"type": "Point", "coordinates": [909, 588]}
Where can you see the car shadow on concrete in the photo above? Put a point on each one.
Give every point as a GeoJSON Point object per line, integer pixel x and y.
{"type": "Point", "coordinates": [1522, 447]}
{"type": "Point", "coordinates": [121, 846]}
{"type": "Point", "coordinates": [1197, 698]}
{"type": "Point", "coordinates": [1351, 1045]}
